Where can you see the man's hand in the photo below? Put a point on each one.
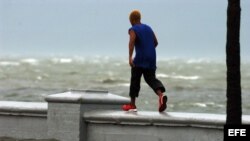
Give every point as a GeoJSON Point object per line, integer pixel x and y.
{"type": "Point", "coordinates": [131, 63]}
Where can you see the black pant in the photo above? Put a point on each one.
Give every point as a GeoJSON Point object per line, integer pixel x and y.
{"type": "Point", "coordinates": [149, 76]}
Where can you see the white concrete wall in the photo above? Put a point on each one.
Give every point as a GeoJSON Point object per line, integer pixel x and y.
{"type": "Point", "coordinates": [23, 120]}
{"type": "Point", "coordinates": [93, 116]}
{"type": "Point", "coordinates": [23, 127]}
{"type": "Point", "coordinates": [153, 126]}
{"type": "Point", "coordinates": [126, 132]}
{"type": "Point", "coordinates": [65, 121]}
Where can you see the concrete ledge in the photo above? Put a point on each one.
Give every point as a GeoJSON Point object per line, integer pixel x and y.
{"type": "Point", "coordinates": [23, 120]}
{"type": "Point", "coordinates": [159, 119]}
{"type": "Point", "coordinates": [97, 116]}
{"type": "Point", "coordinates": [87, 97]}
{"type": "Point", "coordinates": [23, 108]}
{"type": "Point", "coordinates": [125, 132]}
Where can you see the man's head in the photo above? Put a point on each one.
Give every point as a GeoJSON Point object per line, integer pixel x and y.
{"type": "Point", "coordinates": [135, 17]}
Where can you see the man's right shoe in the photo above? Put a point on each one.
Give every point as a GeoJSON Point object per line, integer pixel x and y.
{"type": "Point", "coordinates": [163, 103]}
{"type": "Point", "coordinates": [129, 107]}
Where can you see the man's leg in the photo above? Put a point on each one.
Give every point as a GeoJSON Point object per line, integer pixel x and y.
{"type": "Point", "coordinates": [135, 81]}
{"type": "Point", "coordinates": [153, 82]}
{"type": "Point", "coordinates": [157, 86]}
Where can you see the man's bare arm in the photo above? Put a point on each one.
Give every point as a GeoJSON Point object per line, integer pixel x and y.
{"type": "Point", "coordinates": [132, 37]}
{"type": "Point", "coordinates": [155, 41]}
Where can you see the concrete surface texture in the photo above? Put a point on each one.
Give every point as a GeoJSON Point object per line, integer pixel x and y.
{"type": "Point", "coordinates": [97, 116]}
{"type": "Point", "coordinates": [68, 108]}
{"type": "Point", "coordinates": [15, 139]}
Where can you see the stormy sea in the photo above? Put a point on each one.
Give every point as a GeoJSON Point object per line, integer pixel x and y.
{"type": "Point", "coordinates": [192, 85]}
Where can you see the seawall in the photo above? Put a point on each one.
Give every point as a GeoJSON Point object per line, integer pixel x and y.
{"type": "Point", "coordinates": [96, 116]}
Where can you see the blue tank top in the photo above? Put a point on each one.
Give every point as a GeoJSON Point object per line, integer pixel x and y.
{"type": "Point", "coordinates": [145, 54]}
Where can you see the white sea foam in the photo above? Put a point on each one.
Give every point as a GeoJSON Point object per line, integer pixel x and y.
{"type": "Point", "coordinates": [30, 61]}
{"type": "Point", "coordinates": [162, 75]}
{"type": "Point", "coordinates": [186, 77]}
{"type": "Point", "coordinates": [200, 104]}
{"type": "Point", "coordinates": [39, 78]}
{"type": "Point", "coordinates": [215, 105]}
{"type": "Point", "coordinates": [124, 84]}
{"type": "Point", "coordinates": [195, 61]}
{"type": "Point", "coordinates": [96, 61]}
{"type": "Point", "coordinates": [65, 60]}
{"type": "Point", "coordinates": [7, 63]}
{"type": "Point", "coordinates": [62, 60]}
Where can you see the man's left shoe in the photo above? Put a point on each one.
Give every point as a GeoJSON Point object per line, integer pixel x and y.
{"type": "Point", "coordinates": [129, 107]}
{"type": "Point", "coordinates": [163, 103]}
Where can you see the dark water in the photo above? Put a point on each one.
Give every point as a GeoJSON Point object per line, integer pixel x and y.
{"type": "Point", "coordinates": [193, 85]}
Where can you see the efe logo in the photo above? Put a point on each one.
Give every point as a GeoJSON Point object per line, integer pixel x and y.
{"type": "Point", "coordinates": [236, 132]}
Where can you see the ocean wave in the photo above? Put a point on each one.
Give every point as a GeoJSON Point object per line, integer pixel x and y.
{"type": "Point", "coordinates": [62, 60]}
{"type": "Point", "coordinates": [186, 77]}
{"type": "Point", "coordinates": [31, 61]}
{"type": "Point", "coordinates": [208, 104]}
{"type": "Point", "coordinates": [199, 104]}
{"type": "Point", "coordinates": [162, 75]}
{"type": "Point", "coordinates": [112, 81]}
{"type": "Point", "coordinates": [88, 60]}
{"type": "Point", "coordinates": [198, 61]}
{"type": "Point", "coordinates": [124, 84]}
{"type": "Point", "coordinates": [7, 63]}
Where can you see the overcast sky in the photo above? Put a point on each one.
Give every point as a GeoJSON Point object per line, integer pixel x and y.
{"type": "Point", "coordinates": [185, 28]}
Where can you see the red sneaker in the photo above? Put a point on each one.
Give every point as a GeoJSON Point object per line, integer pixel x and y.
{"type": "Point", "coordinates": [163, 103]}
{"type": "Point", "coordinates": [129, 107]}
